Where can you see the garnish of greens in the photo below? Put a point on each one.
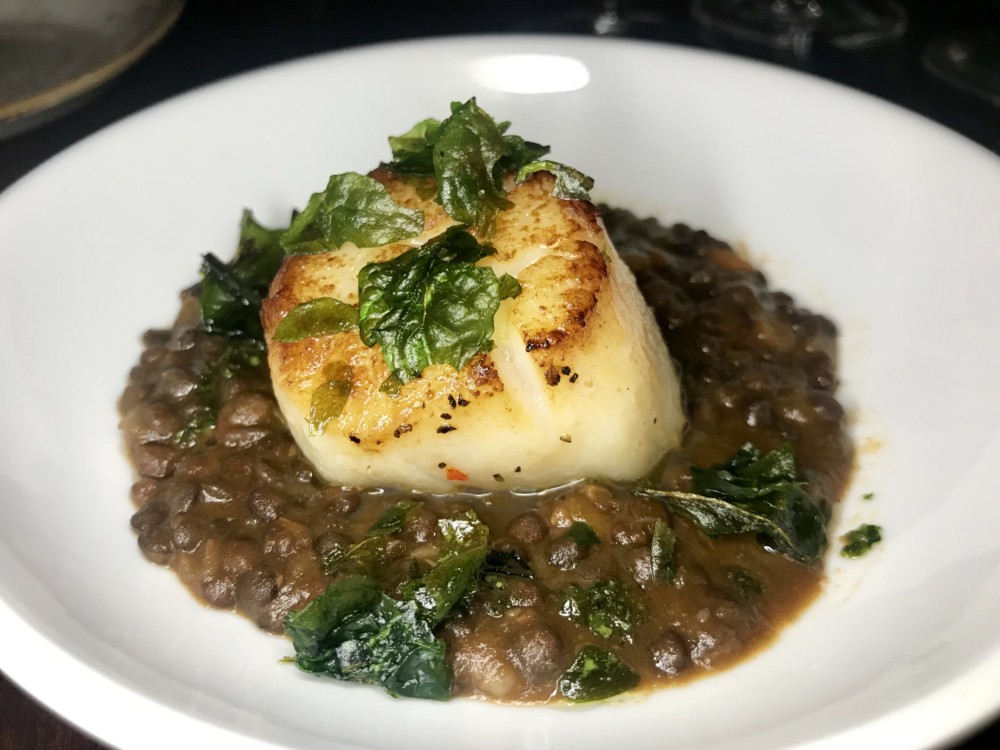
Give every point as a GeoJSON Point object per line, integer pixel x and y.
{"type": "Point", "coordinates": [662, 552]}
{"type": "Point", "coordinates": [354, 631]}
{"type": "Point", "coordinates": [231, 293]}
{"type": "Point", "coordinates": [859, 541]}
{"type": "Point", "coordinates": [229, 297]}
{"type": "Point", "coordinates": [469, 155]}
{"type": "Point", "coordinates": [353, 208]}
{"type": "Point", "coordinates": [595, 675]}
{"type": "Point", "coordinates": [606, 608]}
{"type": "Point", "coordinates": [430, 305]}
{"type": "Point", "coordinates": [582, 534]}
{"type": "Point", "coordinates": [751, 493]}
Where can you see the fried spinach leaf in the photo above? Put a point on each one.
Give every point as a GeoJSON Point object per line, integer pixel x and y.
{"type": "Point", "coordinates": [596, 674]}
{"type": "Point", "coordinates": [859, 541]}
{"type": "Point", "coordinates": [662, 552]}
{"type": "Point", "coordinates": [317, 317]}
{"type": "Point", "coordinates": [521, 151]}
{"type": "Point", "coordinates": [506, 563]}
{"type": "Point", "coordinates": [582, 534]}
{"type": "Point", "coordinates": [368, 557]}
{"type": "Point", "coordinates": [354, 631]}
{"type": "Point", "coordinates": [353, 208]}
{"type": "Point", "coordinates": [391, 521]}
{"type": "Point", "coordinates": [753, 494]}
{"type": "Point", "coordinates": [500, 568]}
{"type": "Point", "coordinates": [430, 305]}
{"type": "Point", "coordinates": [413, 152]}
{"type": "Point", "coordinates": [231, 293]}
{"type": "Point", "coordinates": [238, 354]}
{"type": "Point", "coordinates": [605, 607]}
{"type": "Point", "coordinates": [469, 153]}
{"type": "Point", "coordinates": [570, 183]}
{"type": "Point", "coordinates": [463, 552]}
{"type": "Point", "coordinates": [330, 398]}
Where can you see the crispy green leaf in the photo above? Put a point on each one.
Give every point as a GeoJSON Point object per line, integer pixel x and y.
{"type": "Point", "coordinates": [330, 398]}
{"type": "Point", "coordinates": [606, 608]}
{"type": "Point", "coordinates": [500, 568]}
{"type": "Point", "coordinates": [369, 557]}
{"type": "Point", "coordinates": [509, 286]}
{"type": "Point", "coordinates": [430, 305]}
{"type": "Point", "coordinates": [662, 552]}
{"type": "Point", "coordinates": [521, 152]}
{"type": "Point", "coordinates": [582, 534]}
{"type": "Point", "coordinates": [469, 154]}
{"type": "Point", "coordinates": [230, 293]}
{"type": "Point", "coordinates": [239, 354]}
{"type": "Point", "coordinates": [412, 152]}
{"type": "Point", "coordinates": [596, 674]}
{"type": "Point", "coordinates": [571, 184]}
{"type": "Point", "coordinates": [466, 155]}
{"type": "Point", "coordinates": [507, 563]}
{"type": "Point", "coordinates": [463, 552]}
{"type": "Point", "coordinates": [859, 541]}
{"type": "Point", "coordinates": [354, 631]}
{"type": "Point", "coordinates": [353, 208]}
{"type": "Point", "coordinates": [753, 494]}
{"type": "Point", "coordinates": [317, 317]}
{"type": "Point", "coordinates": [393, 519]}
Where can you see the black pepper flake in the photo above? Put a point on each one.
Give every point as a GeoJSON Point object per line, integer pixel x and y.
{"type": "Point", "coordinates": [565, 370]}
{"type": "Point", "coordinates": [451, 401]}
{"type": "Point", "coordinates": [442, 465]}
{"type": "Point", "coordinates": [566, 438]}
{"type": "Point", "coordinates": [517, 470]}
{"type": "Point", "coordinates": [573, 377]}
{"type": "Point", "coordinates": [552, 376]}
{"type": "Point", "coordinates": [355, 439]}
{"type": "Point", "coordinates": [401, 429]}
{"type": "Point", "coordinates": [498, 477]}
{"type": "Point", "coordinates": [446, 428]}
{"type": "Point", "coordinates": [462, 401]}
{"type": "Point", "coordinates": [654, 419]}
{"type": "Point", "coordinates": [446, 415]}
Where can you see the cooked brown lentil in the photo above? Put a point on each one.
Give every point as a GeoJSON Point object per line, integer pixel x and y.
{"type": "Point", "coordinates": [241, 517]}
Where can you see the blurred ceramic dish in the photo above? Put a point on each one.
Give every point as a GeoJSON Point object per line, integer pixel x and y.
{"type": "Point", "coordinates": [52, 52]}
{"type": "Point", "coordinates": [846, 201]}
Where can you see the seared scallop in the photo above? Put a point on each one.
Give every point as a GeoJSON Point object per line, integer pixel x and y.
{"type": "Point", "coordinates": [578, 382]}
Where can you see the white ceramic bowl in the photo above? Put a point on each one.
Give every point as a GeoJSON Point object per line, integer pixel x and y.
{"type": "Point", "coordinates": [880, 219]}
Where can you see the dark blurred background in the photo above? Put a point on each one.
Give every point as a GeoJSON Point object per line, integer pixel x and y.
{"type": "Point", "coordinates": [214, 39]}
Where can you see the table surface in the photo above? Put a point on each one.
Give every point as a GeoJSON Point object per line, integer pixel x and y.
{"type": "Point", "coordinates": [218, 38]}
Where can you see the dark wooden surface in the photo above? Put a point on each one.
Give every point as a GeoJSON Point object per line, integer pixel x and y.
{"type": "Point", "coordinates": [217, 38]}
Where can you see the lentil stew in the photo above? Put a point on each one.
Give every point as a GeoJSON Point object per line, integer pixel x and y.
{"type": "Point", "coordinates": [225, 498]}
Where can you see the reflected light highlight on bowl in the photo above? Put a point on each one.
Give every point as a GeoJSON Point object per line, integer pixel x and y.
{"type": "Point", "coordinates": [529, 73]}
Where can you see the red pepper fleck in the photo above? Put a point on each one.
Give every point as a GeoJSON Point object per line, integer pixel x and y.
{"type": "Point", "coordinates": [456, 475]}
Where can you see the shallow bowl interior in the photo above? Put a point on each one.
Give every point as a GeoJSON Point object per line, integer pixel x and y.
{"type": "Point", "coordinates": [881, 220]}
